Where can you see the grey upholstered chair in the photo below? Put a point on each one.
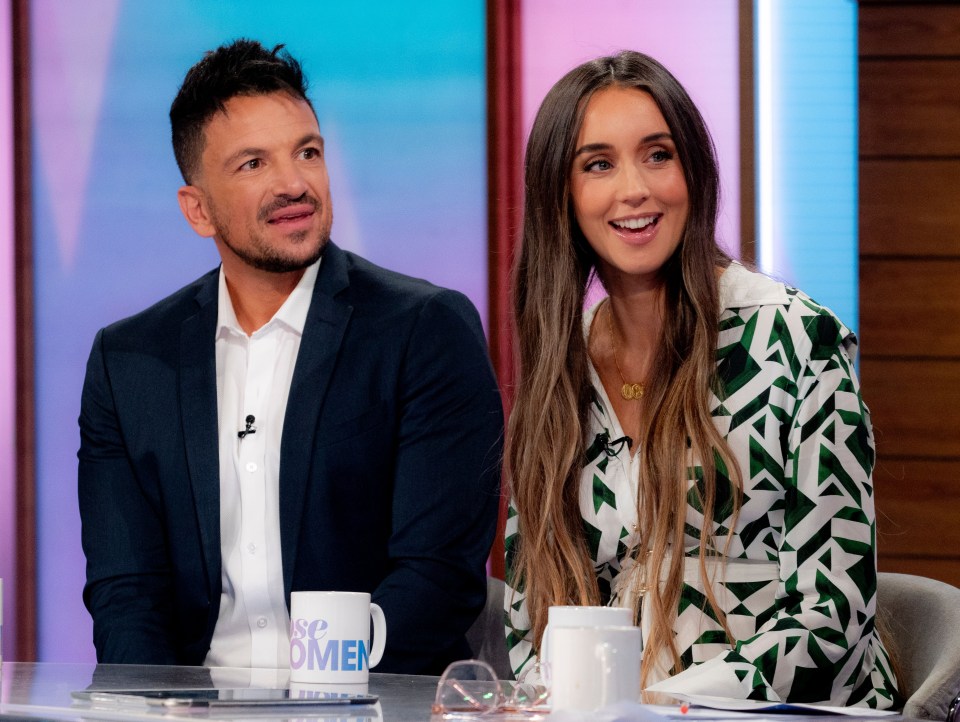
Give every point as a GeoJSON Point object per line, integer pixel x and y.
{"type": "Point", "coordinates": [922, 619]}
{"type": "Point", "coordinates": [487, 637]}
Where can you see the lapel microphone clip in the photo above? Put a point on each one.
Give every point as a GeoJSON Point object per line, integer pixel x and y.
{"type": "Point", "coordinates": [251, 429]}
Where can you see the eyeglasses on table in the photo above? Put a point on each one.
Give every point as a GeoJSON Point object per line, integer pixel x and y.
{"type": "Point", "coordinates": [469, 689]}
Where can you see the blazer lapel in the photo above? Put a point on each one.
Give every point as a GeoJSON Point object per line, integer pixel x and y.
{"type": "Point", "coordinates": [198, 409]}
{"type": "Point", "coordinates": [323, 335]}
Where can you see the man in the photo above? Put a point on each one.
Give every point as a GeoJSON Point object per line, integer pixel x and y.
{"type": "Point", "coordinates": [298, 419]}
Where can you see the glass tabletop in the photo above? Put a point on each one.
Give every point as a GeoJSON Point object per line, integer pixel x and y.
{"type": "Point", "coordinates": [43, 690]}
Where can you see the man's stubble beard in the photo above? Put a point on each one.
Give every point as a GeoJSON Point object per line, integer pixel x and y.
{"type": "Point", "coordinates": [258, 254]}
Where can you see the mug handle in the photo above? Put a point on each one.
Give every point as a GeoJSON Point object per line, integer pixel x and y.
{"type": "Point", "coordinates": [379, 634]}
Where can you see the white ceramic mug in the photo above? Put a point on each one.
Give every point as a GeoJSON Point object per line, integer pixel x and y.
{"type": "Point", "coordinates": [571, 616]}
{"type": "Point", "coordinates": [594, 667]}
{"type": "Point", "coordinates": [330, 637]}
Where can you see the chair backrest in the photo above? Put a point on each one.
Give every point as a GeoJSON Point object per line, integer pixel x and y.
{"type": "Point", "coordinates": [487, 637]}
{"type": "Point", "coordinates": [922, 624]}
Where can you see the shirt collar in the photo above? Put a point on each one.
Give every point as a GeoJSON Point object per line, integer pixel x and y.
{"type": "Point", "coordinates": [292, 314]}
{"type": "Point", "coordinates": [740, 288]}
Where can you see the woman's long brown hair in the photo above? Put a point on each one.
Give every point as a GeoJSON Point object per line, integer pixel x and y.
{"type": "Point", "coordinates": [546, 434]}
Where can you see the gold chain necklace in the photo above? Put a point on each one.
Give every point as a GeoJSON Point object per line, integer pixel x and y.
{"type": "Point", "coordinates": [629, 391]}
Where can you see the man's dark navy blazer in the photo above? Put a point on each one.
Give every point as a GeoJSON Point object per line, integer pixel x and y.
{"type": "Point", "coordinates": [389, 466]}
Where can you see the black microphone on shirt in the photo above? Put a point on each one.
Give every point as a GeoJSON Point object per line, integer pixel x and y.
{"type": "Point", "coordinates": [612, 448]}
{"type": "Point", "coordinates": [251, 429]}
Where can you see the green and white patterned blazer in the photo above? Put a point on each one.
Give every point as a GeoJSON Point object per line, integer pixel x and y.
{"type": "Point", "coordinates": [799, 586]}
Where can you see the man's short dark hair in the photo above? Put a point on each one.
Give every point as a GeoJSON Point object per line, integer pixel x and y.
{"type": "Point", "coordinates": [243, 67]}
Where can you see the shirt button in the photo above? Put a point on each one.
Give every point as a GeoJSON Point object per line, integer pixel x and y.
{"type": "Point", "coordinates": [262, 622]}
{"type": "Point", "coordinates": [252, 548]}
{"type": "Point", "coordinates": [251, 466]}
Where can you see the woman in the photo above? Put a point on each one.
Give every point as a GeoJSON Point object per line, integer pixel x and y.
{"type": "Point", "coordinates": [701, 425]}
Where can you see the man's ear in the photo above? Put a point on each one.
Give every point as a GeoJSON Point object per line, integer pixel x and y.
{"type": "Point", "coordinates": [193, 205]}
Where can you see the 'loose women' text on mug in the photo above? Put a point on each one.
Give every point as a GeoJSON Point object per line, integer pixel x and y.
{"type": "Point", "coordinates": [330, 639]}
{"type": "Point", "coordinates": [309, 646]}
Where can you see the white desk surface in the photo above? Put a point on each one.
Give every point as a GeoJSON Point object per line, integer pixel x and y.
{"type": "Point", "coordinates": [38, 691]}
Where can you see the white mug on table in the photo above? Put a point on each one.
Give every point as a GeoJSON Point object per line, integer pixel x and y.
{"type": "Point", "coordinates": [330, 637]}
{"type": "Point", "coordinates": [574, 616]}
{"type": "Point", "coordinates": [593, 667]}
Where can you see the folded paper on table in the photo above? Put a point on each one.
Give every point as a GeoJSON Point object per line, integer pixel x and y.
{"type": "Point", "coordinates": [706, 708]}
{"type": "Point", "coordinates": [716, 685]}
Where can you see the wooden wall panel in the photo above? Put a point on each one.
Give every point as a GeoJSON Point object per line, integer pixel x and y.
{"type": "Point", "coordinates": [915, 407]}
{"type": "Point", "coordinates": [910, 107]}
{"type": "Point", "coordinates": [910, 277]}
{"type": "Point", "coordinates": [887, 30]}
{"type": "Point", "coordinates": [909, 207]}
{"type": "Point", "coordinates": [504, 206]}
{"type": "Point", "coordinates": [26, 582]}
{"type": "Point", "coordinates": [921, 498]}
{"type": "Point", "coordinates": [898, 296]}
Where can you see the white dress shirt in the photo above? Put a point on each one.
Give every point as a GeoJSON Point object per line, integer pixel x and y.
{"type": "Point", "coordinates": [253, 379]}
